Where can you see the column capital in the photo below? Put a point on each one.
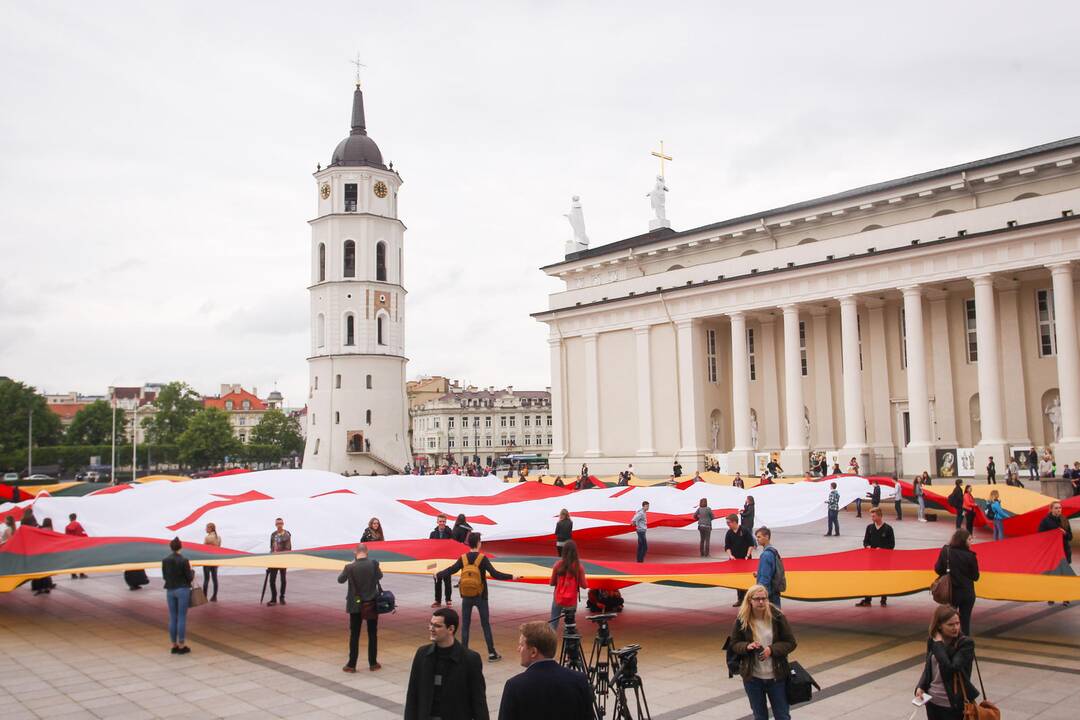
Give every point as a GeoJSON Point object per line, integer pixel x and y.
{"type": "Point", "coordinates": [1060, 268]}
{"type": "Point", "coordinates": [790, 309]}
{"type": "Point", "coordinates": [982, 279]}
{"type": "Point", "coordinates": [848, 300]}
{"type": "Point", "coordinates": [911, 291]}
{"type": "Point", "coordinates": [684, 323]}
{"type": "Point", "coordinates": [555, 342]}
{"type": "Point", "coordinates": [737, 315]}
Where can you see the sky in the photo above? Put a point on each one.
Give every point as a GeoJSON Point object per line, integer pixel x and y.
{"type": "Point", "coordinates": [156, 158]}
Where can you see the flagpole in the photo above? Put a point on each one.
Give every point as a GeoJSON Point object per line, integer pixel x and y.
{"type": "Point", "coordinates": [135, 441]}
{"type": "Point", "coordinates": [112, 462]}
{"type": "Point", "coordinates": [30, 445]}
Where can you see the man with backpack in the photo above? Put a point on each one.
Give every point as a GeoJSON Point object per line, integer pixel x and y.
{"type": "Point", "coordinates": [770, 571]}
{"type": "Point", "coordinates": [473, 589]}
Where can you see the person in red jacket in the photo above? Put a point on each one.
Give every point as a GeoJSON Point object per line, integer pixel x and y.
{"type": "Point", "coordinates": [568, 579]}
{"type": "Point", "coordinates": [74, 527]}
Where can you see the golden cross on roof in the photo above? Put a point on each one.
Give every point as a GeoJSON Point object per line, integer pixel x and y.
{"type": "Point", "coordinates": [358, 65]}
{"type": "Point", "coordinates": [660, 154]}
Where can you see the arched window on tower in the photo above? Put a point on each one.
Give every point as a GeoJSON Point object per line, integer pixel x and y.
{"type": "Point", "coordinates": [350, 329]}
{"type": "Point", "coordinates": [320, 330]}
{"type": "Point", "coordinates": [380, 261]}
{"type": "Point", "coordinates": [368, 382]}
{"type": "Point", "coordinates": [367, 417]}
{"type": "Point", "coordinates": [350, 259]}
{"type": "Point", "coordinates": [380, 330]}
{"type": "Point", "coordinates": [322, 262]}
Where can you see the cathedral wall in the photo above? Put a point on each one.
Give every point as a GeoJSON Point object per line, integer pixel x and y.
{"type": "Point", "coordinates": [618, 393]}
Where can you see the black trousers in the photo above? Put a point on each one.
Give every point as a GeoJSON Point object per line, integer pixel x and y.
{"type": "Point", "coordinates": [354, 639]}
{"type": "Point", "coordinates": [442, 586]}
{"type": "Point", "coordinates": [209, 572]}
{"type": "Point", "coordinates": [964, 603]}
{"type": "Point", "coordinates": [705, 534]}
{"type": "Point", "coordinates": [273, 583]}
{"type": "Point", "coordinates": [939, 712]}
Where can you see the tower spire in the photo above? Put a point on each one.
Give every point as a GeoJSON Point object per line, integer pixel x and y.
{"type": "Point", "coordinates": [359, 126]}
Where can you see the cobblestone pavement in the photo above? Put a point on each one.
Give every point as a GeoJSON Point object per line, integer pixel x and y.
{"type": "Point", "coordinates": [94, 649]}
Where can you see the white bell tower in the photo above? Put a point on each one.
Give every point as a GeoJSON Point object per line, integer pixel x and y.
{"type": "Point", "coordinates": [357, 408]}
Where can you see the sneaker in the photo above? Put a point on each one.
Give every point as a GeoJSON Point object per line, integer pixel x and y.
{"type": "Point", "coordinates": [282, 601]}
{"type": "Point", "coordinates": [271, 603]}
{"type": "Point", "coordinates": [1065, 603]}
{"type": "Point", "coordinates": [375, 667]}
{"type": "Point", "coordinates": [494, 657]}
{"type": "Point", "coordinates": [348, 669]}
{"type": "Point", "coordinates": [436, 605]}
{"type": "Point", "coordinates": [883, 602]}
{"type": "Point", "coordinates": [175, 650]}
{"type": "Point", "coordinates": [184, 650]}
{"type": "Point", "coordinates": [863, 603]}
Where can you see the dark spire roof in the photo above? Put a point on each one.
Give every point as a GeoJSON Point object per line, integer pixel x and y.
{"type": "Point", "coordinates": [357, 149]}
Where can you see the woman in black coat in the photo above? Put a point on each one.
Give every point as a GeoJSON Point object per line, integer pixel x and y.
{"type": "Point", "coordinates": [564, 530]}
{"type": "Point", "coordinates": [748, 514]}
{"type": "Point", "coordinates": [1055, 521]}
{"type": "Point", "coordinates": [461, 530]}
{"type": "Point", "coordinates": [959, 562]}
{"type": "Point", "coordinates": [949, 655]}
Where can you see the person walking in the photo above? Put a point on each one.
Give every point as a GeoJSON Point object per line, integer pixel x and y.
{"type": "Point", "coordinates": [704, 516]}
{"type": "Point", "coordinates": [462, 529]}
{"type": "Point", "coordinates": [956, 502]}
{"type": "Point", "coordinates": [878, 536]}
{"type": "Point", "coordinates": [949, 655]}
{"type": "Point", "coordinates": [441, 532]}
{"type": "Point", "coordinates": [8, 529]}
{"type": "Point", "coordinates": [641, 523]}
{"type": "Point", "coordinates": [280, 541]}
{"type": "Point", "coordinates": [959, 562]}
{"type": "Point", "coordinates": [568, 579]}
{"type": "Point", "coordinates": [833, 505]}
{"type": "Point", "coordinates": [75, 528]}
{"type": "Point", "coordinates": [209, 572]}
{"type": "Point", "coordinates": [1033, 465]}
{"type": "Point", "coordinates": [762, 640]}
{"type": "Point", "coordinates": [362, 575]}
{"type": "Point", "coordinates": [373, 532]}
{"type": "Point", "coordinates": [177, 573]}
{"type": "Point", "coordinates": [991, 471]}
{"type": "Point", "coordinates": [739, 544]}
{"type": "Point", "coordinates": [748, 510]}
{"type": "Point", "coordinates": [875, 494]}
{"type": "Point", "coordinates": [920, 497]}
{"type": "Point", "coordinates": [546, 689]}
{"type": "Point", "coordinates": [898, 498]}
{"type": "Point", "coordinates": [473, 589]}
{"type": "Point", "coordinates": [996, 515]}
{"type": "Point", "coordinates": [770, 573]}
{"type": "Point", "coordinates": [447, 679]}
{"type": "Point", "coordinates": [564, 530]}
{"type": "Point", "coordinates": [1055, 521]}
{"type": "Point", "coordinates": [969, 505]}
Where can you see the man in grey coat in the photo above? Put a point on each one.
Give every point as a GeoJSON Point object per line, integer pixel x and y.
{"type": "Point", "coordinates": [362, 576]}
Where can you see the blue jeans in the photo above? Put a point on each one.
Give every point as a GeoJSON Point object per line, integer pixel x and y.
{"type": "Point", "coordinates": [560, 612]}
{"type": "Point", "coordinates": [642, 546]}
{"type": "Point", "coordinates": [481, 604]}
{"type": "Point", "coordinates": [775, 690]}
{"type": "Point", "coordinates": [179, 599]}
{"type": "Point", "coordinates": [774, 598]}
{"type": "Point", "coordinates": [999, 529]}
{"type": "Point", "coordinates": [834, 521]}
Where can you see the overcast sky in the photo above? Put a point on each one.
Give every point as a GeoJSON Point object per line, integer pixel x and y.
{"type": "Point", "coordinates": [156, 158]}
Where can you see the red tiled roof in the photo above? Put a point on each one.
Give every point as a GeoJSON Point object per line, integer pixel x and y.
{"type": "Point", "coordinates": [66, 411]}
{"type": "Point", "coordinates": [237, 398]}
{"type": "Point", "coordinates": [125, 393]}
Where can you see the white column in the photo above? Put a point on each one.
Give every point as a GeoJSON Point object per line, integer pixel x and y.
{"type": "Point", "coordinates": [793, 380]}
{"type": "Point", "coordinates": [918, 394]}
{"type": "Point", "coordinates": [989, 364]}
{"type": "Point", "coordinates": [740, 384]}
{"type": "Point", "coordinates": [876, 389]}
{"type": "Point", "coordinates": [1068, 364]}
{"type": "Point", "coordinates": [944, 407]}
{"type": "Point", "coordinates": [1012, 369]}
{"type": "Point", "coordinates": [854, 418]}
{"type": "Point", "coordinates": [690, 380]}
{"type": "Point", "coordinates": [592, 397]}
{"type": "Point", "coordinates": [558, 444]}
{"type": "Point", "coordinates": [769, 415]}
{"type": "Point", "coordinates": [822, 429]}
{"type": "Point", "coordinates": [644, 392]}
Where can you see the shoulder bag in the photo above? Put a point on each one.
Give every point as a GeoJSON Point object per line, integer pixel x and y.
{"type": "Point", "coordinates": [983, 710]}
{"type": "Point", "coordinates": [941, 588]}
{"type": "Point", "coordinates": [799, 684]}
{"type": "Point", "coordinates": [198, 596]}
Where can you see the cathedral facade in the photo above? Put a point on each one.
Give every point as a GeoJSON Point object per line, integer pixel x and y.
{"type": "Point", "coordinates": [919, 324]}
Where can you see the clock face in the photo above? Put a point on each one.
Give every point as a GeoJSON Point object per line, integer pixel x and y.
{"type": "Point", "coordinates": [325, 190]}
{"type": "Point", "coordinates": [380, 189]}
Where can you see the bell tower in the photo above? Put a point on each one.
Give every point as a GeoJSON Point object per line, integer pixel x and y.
{"type": "Point", "coordinates": [357, 408]}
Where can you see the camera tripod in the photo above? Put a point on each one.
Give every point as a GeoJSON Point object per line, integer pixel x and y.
{"type": "Point", "coordinates": [572, 656]}
{"type": "Point", "coordinates": [626, 679]}
{"type": "Point", "coordinates": [603, 662]}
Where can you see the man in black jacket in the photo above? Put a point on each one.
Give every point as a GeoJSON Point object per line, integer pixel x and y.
{"type": "Point", "coordinates": [879, 536]}
{"type": "Point", "coordinates": [956, 500]}
{"type": "Point", "coordinates": [362, 575]}
{"type": "Point", "coordinates": [441, 532]}
{"type": "Point", "coordinates": [739, 544]}
{"type": "Point", "coordinates": [480, 602]}
{"type": "Point", "coordinates": [546, 689]}
{"type": "Point", "coordinates": [447, 679]}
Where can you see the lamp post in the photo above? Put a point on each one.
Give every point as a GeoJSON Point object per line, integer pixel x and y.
{"type": "Point", "coordinates": [135, 442]}
{"type": "Point", "coordinates": [30, 444]}
{"type": "Point", "coordinates": [112, 459]}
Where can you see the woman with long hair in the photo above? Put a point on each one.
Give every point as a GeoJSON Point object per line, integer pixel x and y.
{"type": "Point", "coordinates": [917, 488]}
{"type": "Point", "coordinates": [969, 506]}
{"type": "Point", "coordinates": [373, 532]}
{"type": "Point", "coordinates": [762, 638]}
{"type": "Point", "coordinates": [564, 529]}
{"type": "Point", "coordinates": [461, 530]}
{"type": "Point", "coordinates": [209, 572]}
{"type": "Point", "coordinates": [959, 562]}
{"type": "Point", "coordinates": [568, 579]}
{"type": "Point", "coordinates": [1055, 521]}
{"type": "Point", "coordinates": [949, 654]}
{"type": "Point", "coordinates": [748, 514]}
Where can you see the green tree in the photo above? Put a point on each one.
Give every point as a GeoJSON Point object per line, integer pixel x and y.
{"type": "Point", "coordinates": [93, 425]}
{"type": "Point", "coordinates": [176, 405]}
{"type": "Point", "coordinates": [17, 401]}
{"type": "Point", "coordinates": [279, 430]}
{"type": "Point", "coordinates": [207, 439]}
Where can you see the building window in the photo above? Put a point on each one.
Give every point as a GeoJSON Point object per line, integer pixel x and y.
{"type": "Point", "coordinates": [380, 261]}
{"type": "Point", "coordinates": [476, 421]}
{"type": "Point", "coordinates": [337, 417]}
{"type": "Point", "coordinates": [350, 197]}
{"type": "Point", "coordinates": [316, 451]}
{"type": "Point", "coordinates": [802, 346]}
{"type": "Point", "coordinates": [450, 423]}
{"type": "Point", "coordinates": [513, 421]}
{"type": "Point", "coordinates": [487, 421]}
{"type": "Point", "coordinates": [528, 440]}
{"type": "Point", "coordinates": [349, 263]}
{"type": "Point", "coordinates": [350, 329]}
{"type": "Point", "coordinates": [241, 421]}
{"type": "Point", "coordinates": [337, 381]}
{"type": "Point", "coordinates": [437, 421]}
{"type": "Point", "coordinates": [710, 356]}
{"type": "Point", "coordinates": [245, 404]}
{"type": "Point", "coordinates": [1044, 304]}
{"type": "Point", "coordinates": [379, 330]}
{"type": "Point", "coordinates": [367, 417]}
{"type": "Point", "coordinates": [316, 382]}
{"type": "Point", "coordinates": [312, 418]}
{"type": "Point", "coordinates": [450, 442]}
{"type": "Point", "coordinates": [487, 441]}
{"type": "Point", "coordinates": [368, 380]}
{"type": "Point", "coordinates": [320, 330]}
{"type": "Point", "coordinates": [549, 421]}
{"type": "Point", "coordinates": [538, 420]}
{"type": "Point", "coordinates": [751, 356]}
{"type": "Point", "coordinates": [969, 326]}
{"type": "Point", "coordinates": [243, 437]}
{"type": "Point", "coordinates": [464, 441]}
{"type": "Point", "coordinates": [528, 421]}
{"type": "Point", "coordinates": [228, 404]}
{"type": "Point", "coordinates": [903, 338]}
{"type": "Point", "coordinates": [322, 262]}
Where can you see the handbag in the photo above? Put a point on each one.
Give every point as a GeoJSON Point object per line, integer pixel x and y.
{"type": "Point", "coordinates": [941, 588]}
{"type": "Point", "coordinates": [732, 660]}
{"type": "Point", "coordinates": [385, 602]}
{"type": "Point", "coordinates": [983, 710]}
{"type": "Point", "coordinates": [799, 684]}
{"type": "Point", "coordinates": [198, 596]}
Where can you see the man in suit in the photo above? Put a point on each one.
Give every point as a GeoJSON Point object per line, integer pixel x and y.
{"type": "Point", "coordinates": [546, 689]}
{"type": "Point", "coordinates": [447, 679]}
{"type": "Point", "coordinates": [362, 576]}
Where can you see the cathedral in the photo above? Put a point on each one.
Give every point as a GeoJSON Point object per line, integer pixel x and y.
{"type": "Point", "coordinates": [925, 323]}
{"type": "Point", "coordinates": [357, 419]}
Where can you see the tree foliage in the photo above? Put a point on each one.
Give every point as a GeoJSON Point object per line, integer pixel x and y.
{"type": "Point", "coordinates": [93, 425]}
{"type": "Point", "coordinates": [176, 404]}
{"type": "Point", "coordinates": [208, 439]}
{"type": "Point", "coordinates": [17, 401]}
{"type": "Point", "coordinates": [280, 431]}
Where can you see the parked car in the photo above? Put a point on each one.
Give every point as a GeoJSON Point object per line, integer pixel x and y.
{"type": "Point", "coordinates": [38, 477]}
{"type": "Point", "coordinates": [11, 477]}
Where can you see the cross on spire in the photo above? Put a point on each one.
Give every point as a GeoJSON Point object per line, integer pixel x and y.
{"type": "Point", "coordinates": [359, 65]}
{"type": "Point", "coordinates": [660, 154]}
